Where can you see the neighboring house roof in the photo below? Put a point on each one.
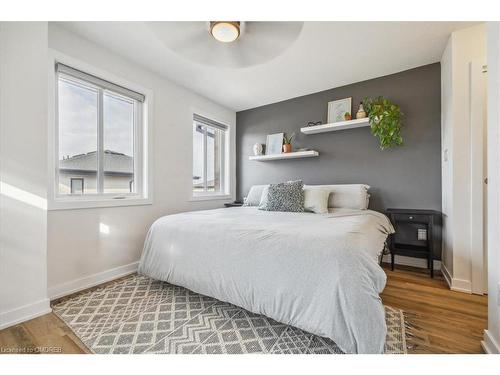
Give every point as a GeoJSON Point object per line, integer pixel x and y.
{"type": "Point", "coordinates": [115, 163]}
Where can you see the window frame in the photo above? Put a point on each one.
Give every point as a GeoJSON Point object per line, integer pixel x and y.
{"type": "Point", "coordinates": [225, 192]}
{"type": "Point", "coordinates": [142, 142]}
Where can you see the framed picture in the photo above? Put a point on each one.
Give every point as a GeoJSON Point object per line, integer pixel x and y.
{"type": "Point", "coordinates": [274, 144]}
{"type": "Point", "coordinates": [338, 108]}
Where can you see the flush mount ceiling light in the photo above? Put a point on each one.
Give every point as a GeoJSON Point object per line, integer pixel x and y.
{"type": "Point", "coordinates": [256, 43]}
{"type": "Point", "coordinates": [225, 31]}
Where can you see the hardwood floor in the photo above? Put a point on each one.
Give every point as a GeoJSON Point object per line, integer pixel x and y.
{"type": "Point", "coordinates": [440, 320]}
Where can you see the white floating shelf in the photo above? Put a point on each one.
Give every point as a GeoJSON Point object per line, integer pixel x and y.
{"type": "Point", "coordinates": [342, 125]}
{"type": "Point", "coordinates": [288, 155]}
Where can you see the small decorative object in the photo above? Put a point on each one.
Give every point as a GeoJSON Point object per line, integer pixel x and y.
{"type": "Point", "coordinates": [338, 108]}
{"type": "Point", "coordinates": [361, 111]}
{"type": "Point", "coordinates": [311, 123]}
{"type": "Point", "coordinates": [347, 116]}
{"type": "Point", "coordinates": [274, 143]}
{"type": "Point", "coordinates": [287, 143]}
{"type": "Point", "coordinates": [385, 121]}
{"type": "Point", "coordinates": [257, 149]}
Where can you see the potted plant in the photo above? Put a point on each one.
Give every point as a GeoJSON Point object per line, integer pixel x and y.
{"type": "Point", "coordinates": [385, 121]}
{"type": "Point", "coordinates": [287, 143]}
{"type": "Point", "coordinates": [347, 116]}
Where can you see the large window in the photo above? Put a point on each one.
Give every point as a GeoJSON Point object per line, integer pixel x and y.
{"type": "Point", "coordinates": [100, 150]}
{"type": "Point", "coordinates": [209, 157]}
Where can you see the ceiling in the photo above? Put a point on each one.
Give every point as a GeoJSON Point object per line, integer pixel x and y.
{"type": "Point", "coordinates": [259, 42]}
{"type": "Point", "coordinates": [319, 56]}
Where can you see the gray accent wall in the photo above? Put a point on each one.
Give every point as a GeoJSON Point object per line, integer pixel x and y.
{"type": "Point", "coordinates": [403, 177]}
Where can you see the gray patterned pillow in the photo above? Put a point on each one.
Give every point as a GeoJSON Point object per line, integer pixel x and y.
{"type": "Point", "coordinates": [286, 196]}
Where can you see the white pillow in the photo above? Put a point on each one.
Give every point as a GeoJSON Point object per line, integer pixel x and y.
{"type": "Point", "coordinates": [263, 198]}
{"type": "Point", "coordinates": [353, 196]}
{"type": "Point", "coordinates": [316, 200]}
{"type": "Point", "coordinates": [253, 197]}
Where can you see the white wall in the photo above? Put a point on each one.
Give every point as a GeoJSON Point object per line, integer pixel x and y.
{"type": "Point", "coordinates": [78, 254]}
{"type": "Point", "coordinates": [23, 171]}
{"type": "Point", "coordinates": [492, 334]}
{"type": "Point", "coordinates": [464, 46]}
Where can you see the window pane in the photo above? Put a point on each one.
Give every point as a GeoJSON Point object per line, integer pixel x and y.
{"type": "Point", "coordinates": [118, 142]}
{"type": "Point", "coordinates": [77, 107]}
{"type": "Point", "coordinates": [198, 155]}
{"type": "Point", "coordinates": [76, 185]}
{"type": "Point", "coordinates": [207, 158]}
{"type": "Point", "coordinates": [213, 159]}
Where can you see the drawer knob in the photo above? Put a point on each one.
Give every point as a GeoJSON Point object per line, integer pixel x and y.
{"type": "Point", "coordinates": [411, 217]}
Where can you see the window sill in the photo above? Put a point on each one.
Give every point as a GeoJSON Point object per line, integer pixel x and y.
{"type": "Point", "coordinates": [75, 204]}
{"type": "Point", "coordinates": [214, 197]}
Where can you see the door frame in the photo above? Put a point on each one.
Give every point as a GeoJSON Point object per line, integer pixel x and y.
{"type": "Point", "coordinates": [478, 173]}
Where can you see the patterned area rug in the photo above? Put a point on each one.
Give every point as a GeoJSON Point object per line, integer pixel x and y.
{"type": "Point", "coordinates": [141, 315]}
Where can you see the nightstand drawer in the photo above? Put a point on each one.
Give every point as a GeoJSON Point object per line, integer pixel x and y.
{"type": "Point", "coordinates": [411, 217]}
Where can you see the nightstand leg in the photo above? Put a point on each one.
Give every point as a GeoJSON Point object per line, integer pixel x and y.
{"type": "Point", "coordinates": [431, 263]}
{"type": "Point", "coordinates": [392, 261]}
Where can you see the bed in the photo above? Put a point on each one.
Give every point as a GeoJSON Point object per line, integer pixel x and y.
{"type": "Point", "coordinates": [317, 272]}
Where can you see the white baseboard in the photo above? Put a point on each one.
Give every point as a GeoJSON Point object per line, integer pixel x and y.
{"type": "Point", "coordinates": [459, 285]}
{"type": "Point", "coordinates": [24, 313]}
{"type": "Point", "coordinates": [90, 281]}
{"type": "Point", "coordinates": [489, 344]}
{"type": "Point", "coordinates": [412, 262]}
{"type": "Point", "coordinates": [446, 274]}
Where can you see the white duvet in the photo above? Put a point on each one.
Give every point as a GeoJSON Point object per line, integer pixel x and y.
{"type": "Point", "coordinates": [315, 272]}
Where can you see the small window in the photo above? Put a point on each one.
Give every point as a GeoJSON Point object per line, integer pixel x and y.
{"type": "Point", "coordinates": [209, 157]}
{"type": "Point", "coordinates": [100, 137]}
{"type": "Point", "coordinates": [76, 185]}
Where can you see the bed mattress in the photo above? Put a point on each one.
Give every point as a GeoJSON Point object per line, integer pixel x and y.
{"type": "Point", "coordinates": [318, 272]}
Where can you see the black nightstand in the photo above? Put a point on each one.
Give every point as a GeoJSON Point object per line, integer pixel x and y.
{"type": "Point", "coordinates": [234, 204]}
{"type": "Point", "coordinates": [418, 235]}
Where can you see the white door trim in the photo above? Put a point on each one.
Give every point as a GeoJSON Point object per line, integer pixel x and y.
{"type": "Point", "coordinates": [477, 121]}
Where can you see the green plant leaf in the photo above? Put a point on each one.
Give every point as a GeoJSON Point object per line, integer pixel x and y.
{"type": "Point", "coordinates": [288, 140]}
{"type": "Point", "coordinates": [385, 121]}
